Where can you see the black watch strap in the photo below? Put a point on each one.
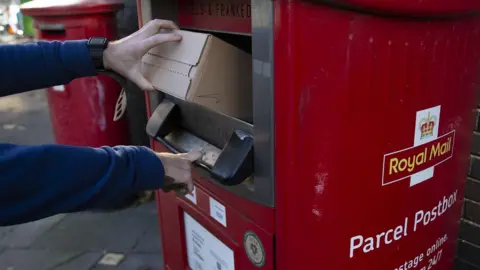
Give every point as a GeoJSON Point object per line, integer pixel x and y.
{"type": "Point", "coordinates": [96, 46]}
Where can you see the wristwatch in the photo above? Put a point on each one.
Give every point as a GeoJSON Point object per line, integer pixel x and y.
{"type": "Point", "coordinates": [96, 46]}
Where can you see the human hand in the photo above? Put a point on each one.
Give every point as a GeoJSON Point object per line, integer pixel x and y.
{"type": "Point", "coordinates": [124, 56]}
{"type": "Point", "coordinates": [178, 171]}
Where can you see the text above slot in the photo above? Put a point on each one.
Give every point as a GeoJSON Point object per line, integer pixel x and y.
{"type": "Point", "coordinates": [231, 16]}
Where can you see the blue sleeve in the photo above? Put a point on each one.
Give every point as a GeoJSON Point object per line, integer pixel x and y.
{"type": "Point", "coordinates": [43, 64]}
{"type": "Point", "coordinates": [41, 181]}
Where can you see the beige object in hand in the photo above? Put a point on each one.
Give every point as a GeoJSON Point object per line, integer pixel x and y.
{"type": "Point", "coordinates": [203, 69]}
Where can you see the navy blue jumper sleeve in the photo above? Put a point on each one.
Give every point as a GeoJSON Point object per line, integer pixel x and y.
{"type": "Point", "coordinates": [41, 181]}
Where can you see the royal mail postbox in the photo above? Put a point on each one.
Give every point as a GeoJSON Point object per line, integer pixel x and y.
{"type": "Point", "coordinates": [83, 111]}
{"type": "Point", "coordinates": [357, 152]}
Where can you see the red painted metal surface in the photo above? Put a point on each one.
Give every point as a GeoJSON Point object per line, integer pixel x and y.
{"type": "Point", "coordinates": [82, 111]}
{"type": "Point", "coordinates": [70, 7]}
{"type": "Point", "coordinates": [345, 98]}
{"type": "Point", "coordinates": [220, 15]}
{"type": "Point", "coordinates": [354, 148]}
{"type": "Point", "coordinates": [242, 216]}
{"type": "Point", "coordinates": [417, 7]}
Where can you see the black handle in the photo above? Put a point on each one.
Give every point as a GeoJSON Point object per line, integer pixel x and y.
{"type": "Point", "coordinates": [117, 77]}
{"type": "Point", "coordinates": [235, 162]}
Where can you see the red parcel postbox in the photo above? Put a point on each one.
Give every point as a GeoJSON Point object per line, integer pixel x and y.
{"type": "Point", "coordinates": [82, 111]}
{"type": "Point", "coordinates": [362, 126]}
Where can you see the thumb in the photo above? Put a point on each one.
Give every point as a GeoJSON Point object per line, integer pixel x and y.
{"type": "Point", "coordinates": [143, 83]}
{"type": "Point", "coordinates": [192, 156]}
{"type": "Point", "coordinates": [160, 38]}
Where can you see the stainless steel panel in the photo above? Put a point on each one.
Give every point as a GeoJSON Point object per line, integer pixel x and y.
{"type": "Point", "coordinates": [263, 100]}
{"type": "Point", "coordinates": [187, 142]}
{"type": "Point", "coordinates": [205, 123]}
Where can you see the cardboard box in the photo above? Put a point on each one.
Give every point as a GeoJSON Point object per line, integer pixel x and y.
{"type": "Point", "coordinates": [203, 69]}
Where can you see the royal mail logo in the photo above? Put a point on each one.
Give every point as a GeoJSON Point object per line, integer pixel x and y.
{"type": "Point", "coordinates": [427, 126]}
{"type": "Point", "coordinates": [429, 150]}
{"type": "Point", "coordinates": [407, 162]}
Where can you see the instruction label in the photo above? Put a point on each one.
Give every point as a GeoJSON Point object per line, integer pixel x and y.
{"type": "Point", "coordinates": [192, 196]}
{"type": "Point", "coordinates": [218, 212]}
{"type": "Point", "coordinates": [427, 259]}
{"type": "Point", "coordinates": [204, 250]}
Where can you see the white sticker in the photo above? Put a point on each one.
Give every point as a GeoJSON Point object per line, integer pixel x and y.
{"type": "Point", "coordinates": [204, 250]}
{"type": "Point", "coordinates": [192, 196]}
{"type": "Point", "coordinates": [59, 88]}
{"type": "Point", "coordinates": [112, 259]}
{"type": "Point", "coordinates": [426, 130]}
{"type": "Point", "coordinates": [218, 212]}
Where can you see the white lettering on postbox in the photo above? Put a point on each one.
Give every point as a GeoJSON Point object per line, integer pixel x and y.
{"type": "Point", "coordinates": [367, 244]}
{"type": "Point", "coordinates": [425, 217]}
{"type": "Point", "coordinates": [421, 218]}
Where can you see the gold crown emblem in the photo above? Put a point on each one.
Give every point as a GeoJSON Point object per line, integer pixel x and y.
{"type": "Point", "coordinates": [427, 125]}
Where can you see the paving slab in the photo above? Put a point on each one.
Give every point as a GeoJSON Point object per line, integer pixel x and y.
{"type": "Point", "coordinates": [149, 208]}
{"type": "Point", "coordinates": [4, 231]}
{"type": "Point", "coordinates": [30, 259]}
{"type": "Point", "coordinates": [136, 261]}
{"type": "Point", "coordinates": [116, 232]}
{"type": "Point", "coordinates": [150, 242]}
{"type": "Point", "coordinates": [25, 119]}
{"type": "Point", "coordinates": [22, 236]}
{"type": "Point", "coordinates": [84, 261]}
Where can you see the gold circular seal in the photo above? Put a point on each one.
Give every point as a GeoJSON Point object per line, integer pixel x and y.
{"type": "Point", "coordinates": [254, 249]}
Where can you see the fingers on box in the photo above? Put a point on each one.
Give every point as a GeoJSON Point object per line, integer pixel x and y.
{"type": "Point", "coordinates": [162, 24]}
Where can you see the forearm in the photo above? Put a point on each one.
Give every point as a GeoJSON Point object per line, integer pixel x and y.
{"type": "Point", "coordinates": [43, 64]}
{"type": "Point", "coordinates": [40, 181]}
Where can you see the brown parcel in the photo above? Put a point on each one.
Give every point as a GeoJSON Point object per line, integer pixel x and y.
{"type": "Point", "coordinates": [203, 69]}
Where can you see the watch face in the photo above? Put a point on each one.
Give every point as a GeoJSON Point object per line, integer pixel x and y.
{"type": "Point", "coordinates": [96, 46]}
{"type": "Point", "coordinates": [97, 41]}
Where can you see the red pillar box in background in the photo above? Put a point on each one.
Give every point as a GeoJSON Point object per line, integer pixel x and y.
{"type": "Point", "coordinates": [82, 112]}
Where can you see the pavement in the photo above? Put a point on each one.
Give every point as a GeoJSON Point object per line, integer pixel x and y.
{"type": "Point", "coordinates": [10, 39]}
{"type": "Point", "coordinates": [127, 239]}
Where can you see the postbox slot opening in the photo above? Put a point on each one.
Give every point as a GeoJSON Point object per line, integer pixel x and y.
{"type": "Point", "coordinates": [53, 34]}
{"type": "Point", "coordinates": [242, 42]}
